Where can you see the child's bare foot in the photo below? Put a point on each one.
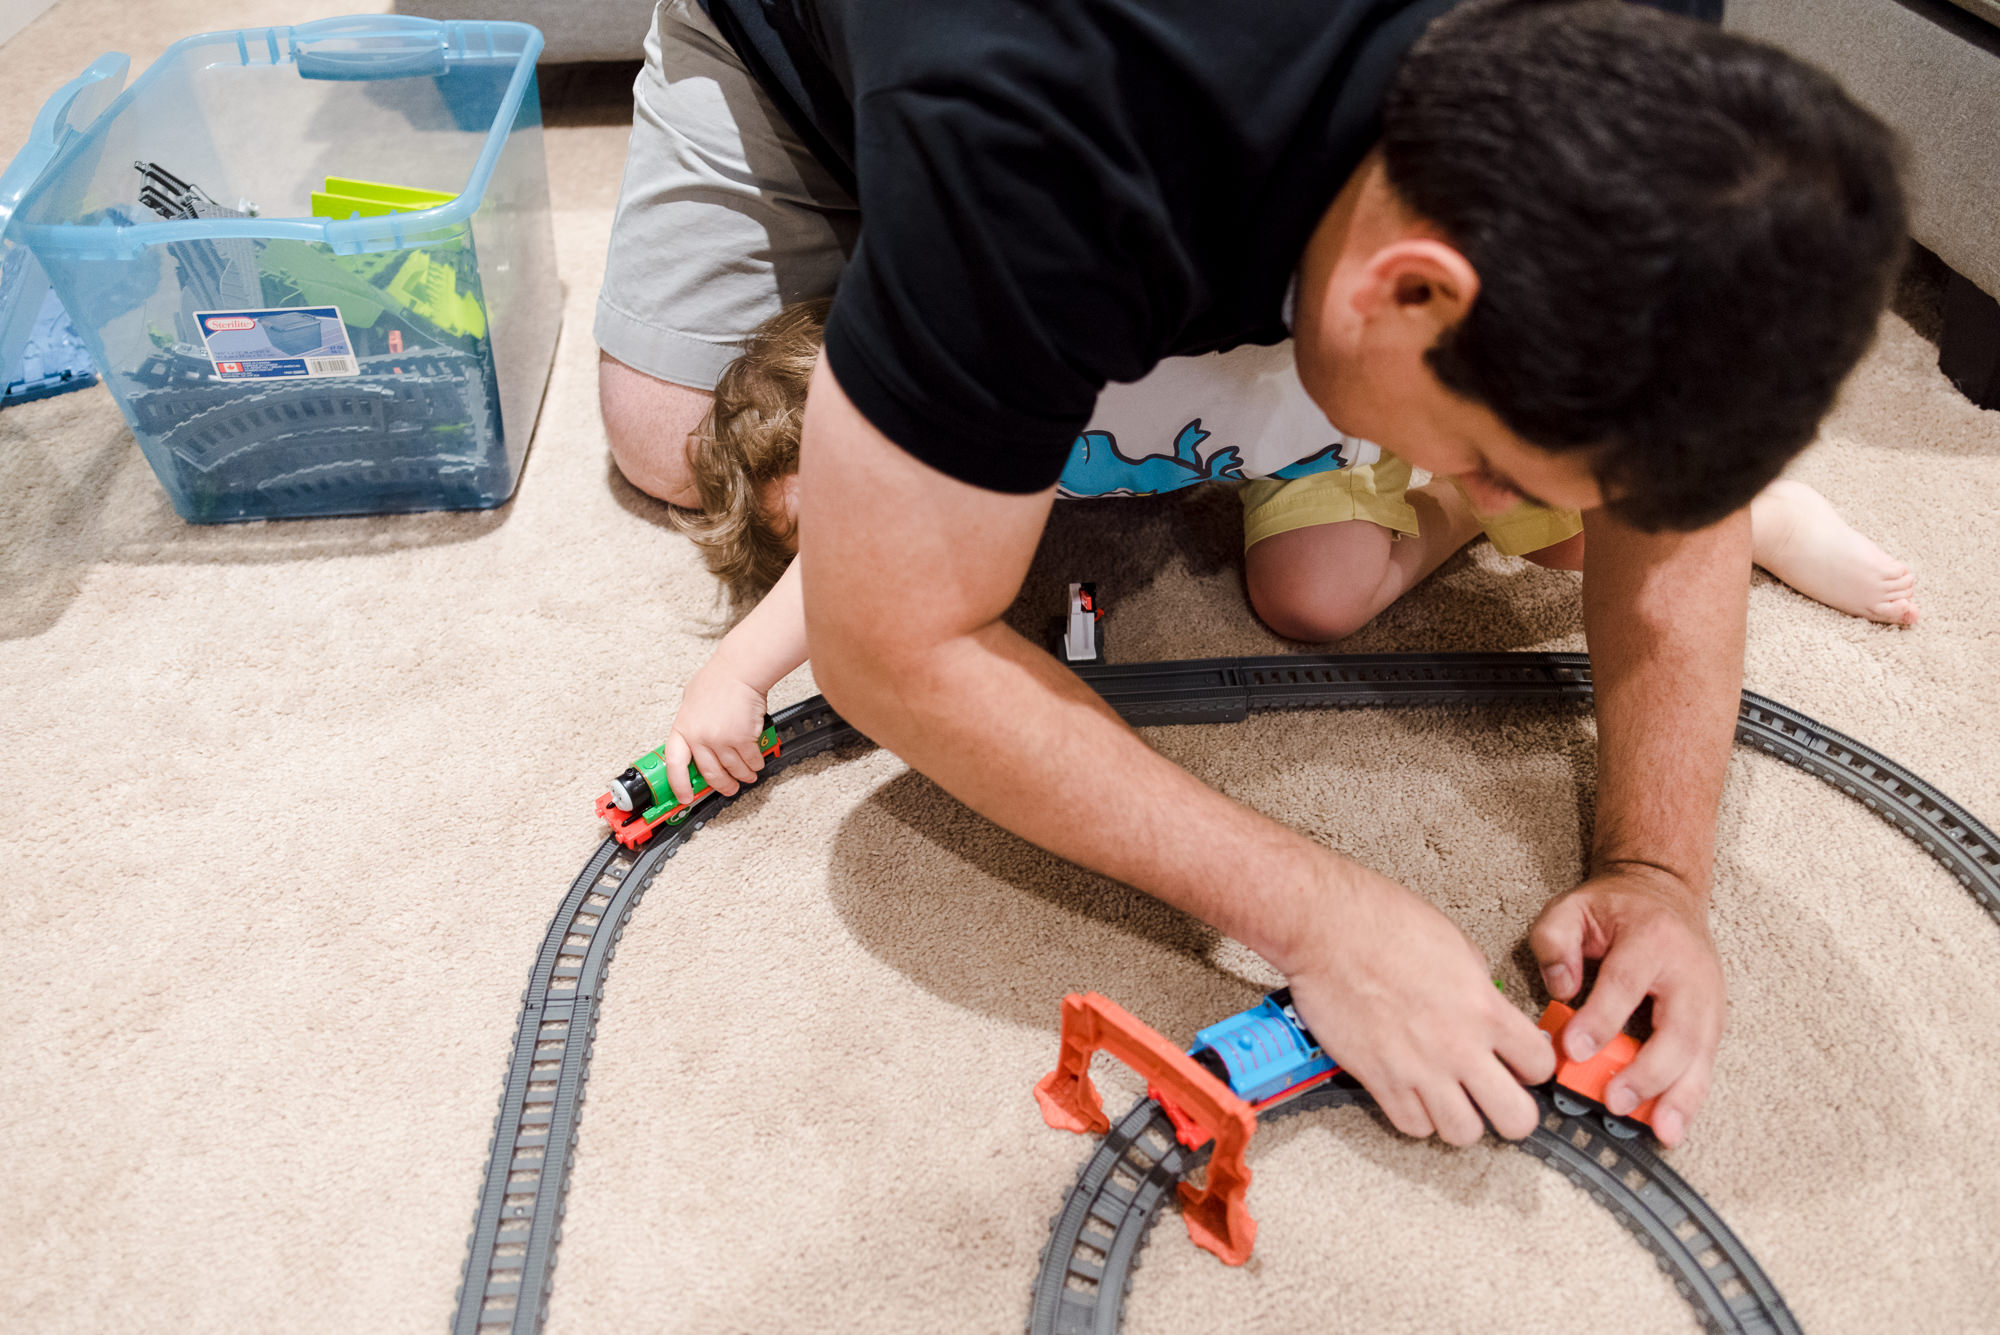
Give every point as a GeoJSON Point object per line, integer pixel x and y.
{"type": "Point", "coordinates": [1797, 536]}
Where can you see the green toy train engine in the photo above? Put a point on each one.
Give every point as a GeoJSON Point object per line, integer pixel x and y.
{"type": "Point", "coordinates": [641, 800]}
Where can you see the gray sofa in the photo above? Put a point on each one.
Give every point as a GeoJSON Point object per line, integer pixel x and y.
{"type": "Point", "coordinates": [575, 30]}
{"type": "Point", "coordinates": [1931, 68]}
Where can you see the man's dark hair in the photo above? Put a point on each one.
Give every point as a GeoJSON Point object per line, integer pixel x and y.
{"type": "Point", "coordinates": [1684, 239]}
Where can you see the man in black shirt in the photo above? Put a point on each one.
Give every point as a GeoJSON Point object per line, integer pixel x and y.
{"type": "Point", "coordinates": [1575, 252]}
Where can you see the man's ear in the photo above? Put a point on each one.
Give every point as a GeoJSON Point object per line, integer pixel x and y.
{"type": "Point", "coordinates": [1416, 288]}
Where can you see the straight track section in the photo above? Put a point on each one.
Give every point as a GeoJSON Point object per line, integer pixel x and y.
{"type": "Point", "coordinates": [511, 1257]}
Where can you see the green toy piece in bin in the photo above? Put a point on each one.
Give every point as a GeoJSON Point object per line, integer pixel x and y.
{"type": "Point", "coordinates": [347, 197]}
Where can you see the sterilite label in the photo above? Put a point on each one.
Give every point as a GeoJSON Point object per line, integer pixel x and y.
{"type": "Point", "coordinates": [309, 341]}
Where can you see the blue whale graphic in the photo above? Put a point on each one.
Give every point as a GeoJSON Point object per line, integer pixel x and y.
{"type": "Point", "coordinates": [1097, 467]}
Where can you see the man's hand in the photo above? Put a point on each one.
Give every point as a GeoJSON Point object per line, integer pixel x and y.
{"type": "Point", "coordinates": [1651, 934]}
{"type": "Point", "coordinates": [1407, 1006]}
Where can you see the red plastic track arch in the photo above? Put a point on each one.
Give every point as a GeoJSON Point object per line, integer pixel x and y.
{"type": "Point", "coordinates": [1201, 1107]}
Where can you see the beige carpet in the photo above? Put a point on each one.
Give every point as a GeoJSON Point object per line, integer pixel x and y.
{"type": "Point", "coordinates": [284, 810]}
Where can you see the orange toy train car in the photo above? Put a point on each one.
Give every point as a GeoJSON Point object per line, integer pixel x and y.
{"type": "Point", "coordinates": [1589, 1078]}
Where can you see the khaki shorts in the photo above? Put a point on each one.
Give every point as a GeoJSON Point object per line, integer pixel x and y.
{"type": "Point", "coordinates": [724, 216]}
{"type": "Point", "coordinates": [1375, 492]}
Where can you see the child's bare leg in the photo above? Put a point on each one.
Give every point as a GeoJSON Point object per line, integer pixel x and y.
{"type": "Point", "coordinates": [1329, 580]}
{"type": "Point", "coordinates": [1798, 536]}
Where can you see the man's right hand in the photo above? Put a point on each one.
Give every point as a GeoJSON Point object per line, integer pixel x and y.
{"type": "Point", "coordinates": [1400, 998]}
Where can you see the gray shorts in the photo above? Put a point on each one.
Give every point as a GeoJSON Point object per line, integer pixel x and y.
{"type": "Point", "coordinates": [724, 215]}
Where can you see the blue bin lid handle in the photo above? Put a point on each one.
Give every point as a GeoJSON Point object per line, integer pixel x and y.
{"type": "Point", "coordinates": [372, 46]}
{"type": "Point", "coordinates": [70, 112]}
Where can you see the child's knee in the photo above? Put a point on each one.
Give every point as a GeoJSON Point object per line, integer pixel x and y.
{"type": "Point", "coordinates": [1314, 601]}
{"type": "Point", "coordinates": [1313, 616]}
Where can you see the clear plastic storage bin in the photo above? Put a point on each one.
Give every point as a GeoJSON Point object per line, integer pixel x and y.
{"type": "Point", "coordinates": [275, 359]}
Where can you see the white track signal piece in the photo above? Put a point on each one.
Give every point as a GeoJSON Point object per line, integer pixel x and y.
{"type": "Point", "coordinates": [1079, 641]}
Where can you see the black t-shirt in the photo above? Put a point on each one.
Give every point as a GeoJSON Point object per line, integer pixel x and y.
{"type": "Point", "coordinates": [1059, 193]}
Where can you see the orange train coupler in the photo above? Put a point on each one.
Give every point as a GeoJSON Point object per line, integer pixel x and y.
{"type": "Point", "coordinates": [1201, 1107]}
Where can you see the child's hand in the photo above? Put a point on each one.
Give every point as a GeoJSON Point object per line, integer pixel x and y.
{"type": "Point", "coordinates": [717, 728]}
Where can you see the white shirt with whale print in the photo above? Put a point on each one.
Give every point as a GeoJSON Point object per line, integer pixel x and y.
{"type": "Point", "coordinates": [1226, 416]}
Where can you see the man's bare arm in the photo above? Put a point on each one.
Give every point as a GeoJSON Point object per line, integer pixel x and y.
{"type": "Point", "coordinates": [906, 573]}
{"type": "Point", "coordinates": [1665, 617]}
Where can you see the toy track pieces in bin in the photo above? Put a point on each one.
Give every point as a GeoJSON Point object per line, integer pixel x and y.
{"type": "Point", "coordinates": [1091, 1253]}
{"type": "Point", "coordinates": [471, 275]}
{"type": "Point", "coordinates": [172, 198]}
{"type": "Point", "coordinates": [214, 275]}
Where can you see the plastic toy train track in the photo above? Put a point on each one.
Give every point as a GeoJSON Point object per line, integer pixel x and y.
{"type": "Point", "coordinates": [1228, 690]}
{"type": "Point", "coordinates": [1095, 1239]}
{"type": "Point", "coordinates": [511, 1261]}
{"type": "Point", "coordinates": [510, 1264]}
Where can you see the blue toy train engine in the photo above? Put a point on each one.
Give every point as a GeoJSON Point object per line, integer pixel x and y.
{"type": "Point", "coordinates": [1264, 1053]}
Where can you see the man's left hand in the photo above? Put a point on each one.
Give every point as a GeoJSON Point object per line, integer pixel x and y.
{"type": "Point", "coordinates": [1650, 932]}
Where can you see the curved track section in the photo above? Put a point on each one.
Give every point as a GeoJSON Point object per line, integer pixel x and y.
{"type": "Point", "coordinates": [511, 1258]}
{"type": "Point", "coordinates": [1095, 1240]}
{"type": "Point", "coordinates": [1228, 690]}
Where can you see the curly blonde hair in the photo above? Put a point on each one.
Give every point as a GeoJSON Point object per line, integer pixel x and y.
{"type": "Point", "coordinates": [749, 439]}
